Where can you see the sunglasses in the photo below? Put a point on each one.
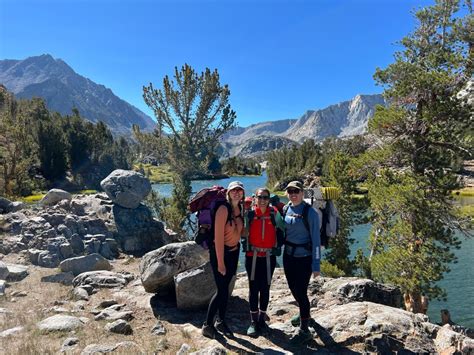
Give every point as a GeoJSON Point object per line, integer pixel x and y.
{"type": "Point", "coordinates": [263, 197]}
{"type": "Point", "coordinates": [238, 189]}
{"type": "Point", "coordinates": [293, 191]}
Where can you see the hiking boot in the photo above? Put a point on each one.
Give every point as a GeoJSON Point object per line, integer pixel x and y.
{"type": "Point", "coordinates": [263, 326]}
{"type": "Point", "coordinates": [295, 321]}
{"type": "Point", "coordinates": [222, 327]}
{"type": "Point", "coordinates": [209, 331]}
{"type": "Point", "coordinates": [252, 330]}
{"type": "Point", "coordinates": [301, 338]}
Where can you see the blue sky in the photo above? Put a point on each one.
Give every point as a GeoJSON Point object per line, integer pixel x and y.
{"type": "Point", "coordinates": [279, 58]}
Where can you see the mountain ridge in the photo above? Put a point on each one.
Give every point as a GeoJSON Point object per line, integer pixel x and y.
{"type": "Point", "coordinates": [63, 89]}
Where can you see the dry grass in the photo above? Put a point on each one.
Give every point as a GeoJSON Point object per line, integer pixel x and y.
{"type": "Point", "coordinates": [43, 297]}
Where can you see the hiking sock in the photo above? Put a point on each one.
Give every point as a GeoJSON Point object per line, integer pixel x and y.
{"type": "Point", "coordinates": [254, 316]}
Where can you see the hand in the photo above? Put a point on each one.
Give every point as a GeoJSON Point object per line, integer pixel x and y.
{"type": "Point", "coordinates": [221, 269]}
{"type": "Point", "coordinates": [316, 274]}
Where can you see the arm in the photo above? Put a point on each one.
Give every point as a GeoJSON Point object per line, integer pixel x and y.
{"type": "Point", "coordinates": [314, 231]}
{"type": "Point", "coordinates": [219, 225]}
{"type": "Point", "coordinates": [280, 223]}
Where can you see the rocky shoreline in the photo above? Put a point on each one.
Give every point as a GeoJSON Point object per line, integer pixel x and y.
{"type": "Point", "coordinates": [86, 274]}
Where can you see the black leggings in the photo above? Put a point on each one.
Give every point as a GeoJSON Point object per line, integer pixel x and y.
{"type": "Point", "coordinates": [298, 273]}
{"type": "Point", "coordinates": [220, 298]}
{"type": "Point", "coordinates": [259, 286]}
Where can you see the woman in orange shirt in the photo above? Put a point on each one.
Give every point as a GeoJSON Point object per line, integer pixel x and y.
{"type": "Point", "coordinates": [224, 257]}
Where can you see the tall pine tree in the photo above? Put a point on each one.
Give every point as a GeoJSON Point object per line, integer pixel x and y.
{"type": "Point", "coordinates": [422, 132]}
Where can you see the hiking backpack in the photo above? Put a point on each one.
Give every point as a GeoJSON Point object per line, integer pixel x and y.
{"type": "Point", "coordinates": [280, 234]}
{"type": "Point", "coordinates": [205, 204]}
{"type": "Point", "coordinates": [329, 221]}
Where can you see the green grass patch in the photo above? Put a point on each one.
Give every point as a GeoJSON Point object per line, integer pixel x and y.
{"type": "Point", "coordinates": [156, 174]}
{"type": "Point", "coordinates": [33, 198]}
{"type": "Point", "coordinates": [467, 191]}
{"type": "Point", "coordinates": [466, 211]}
{"type": "Point", "coordinates": [87, 192]}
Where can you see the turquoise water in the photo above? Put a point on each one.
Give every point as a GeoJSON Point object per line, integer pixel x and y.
{"type": "Point", "coordinates": [458, 283]}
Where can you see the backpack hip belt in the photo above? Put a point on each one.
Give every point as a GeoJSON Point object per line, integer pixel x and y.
{"type": "Point", "coordinates": [267, 252]}
{"type": "Point", "coordinates": [290, 248]}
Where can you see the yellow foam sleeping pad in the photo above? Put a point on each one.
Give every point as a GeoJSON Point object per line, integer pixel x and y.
{"type": "Point", "coordinates": [330, 193]}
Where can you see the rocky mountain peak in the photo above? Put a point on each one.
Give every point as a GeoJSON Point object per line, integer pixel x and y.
{"type": "Point", "coordinates": [62, 89]}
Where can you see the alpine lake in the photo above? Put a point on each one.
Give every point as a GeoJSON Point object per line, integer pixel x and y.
{"type": "Point", "coordinates": [458, 283]}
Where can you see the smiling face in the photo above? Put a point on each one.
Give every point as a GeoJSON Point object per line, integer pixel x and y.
{"type": "Point", "coordinates": [235, 195]}
{"type": "Point", "coordinates": [295, 195]}
{"type": "Point", "coordinates": [263, 198]}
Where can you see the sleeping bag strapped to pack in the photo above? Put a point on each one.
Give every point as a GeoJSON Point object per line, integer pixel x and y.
{"type": "Point", "coordinates": [205, 203]}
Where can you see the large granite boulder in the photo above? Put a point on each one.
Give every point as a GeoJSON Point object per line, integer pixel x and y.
{"type": "Point", "coordinates": [195, 287]}
{"type": "Point", "coordinates": [80, 264]}
{"type": "Point", "coordinates": [126, 188]}
{"type": "Point", "coordinates": [137, 231]}
{"type": "Point", "coordinates": [355, 289]}
{"type": "Point", "coordinates": [54, 196]}
{"type": "Point", "coordinates": [385, 329]}
{"type": "Point", "coordinates": [158, 267]}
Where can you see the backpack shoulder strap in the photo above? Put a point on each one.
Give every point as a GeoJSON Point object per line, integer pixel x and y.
{"type": "Point", "coordinates": [305, 215]}
{"type": "Point", "coordinates": [285, 209]}
{"type": "Point", "coordinates": [250, 216]}
{"type": "Point", "coordinates": [272, 216]}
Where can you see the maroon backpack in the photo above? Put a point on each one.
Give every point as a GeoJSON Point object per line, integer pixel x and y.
{"type": "Point", "coordinates": [205, 203]}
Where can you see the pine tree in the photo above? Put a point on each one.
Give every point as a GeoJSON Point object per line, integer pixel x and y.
{"type": "Point", "coordinates": [193, 110]}
{"type": "Point", "coordinates": [422, 133]}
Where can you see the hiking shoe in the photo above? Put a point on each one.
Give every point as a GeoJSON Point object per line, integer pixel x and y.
{"type": "Point", "coordinates": [252, 330]}
{"type": "Point", "coordinates": [209, 331]}
{"type": "Point", "coordinates": [222, 327]}
{"type": "Point", "coordinates": [263, 327]}
{"type": "Point", "coordinates": [295, 321]}
{"type": "Point", "coordinates": [301, 338]}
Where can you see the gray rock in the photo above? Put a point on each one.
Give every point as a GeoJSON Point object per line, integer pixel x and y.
{"type": "Point", "coordinates": [102, 279]}
{"type": "Point", "coordinates": [111, 314]}
{"type": "Point", "coordinates": [158, 267]}
{"type": "Point", "coordinates": [3, 286]}
{"type": "Point", "coordinates": [137, 231]}
{"type": "Point", "coordinates": [77, 244]}
{"type": "Point", "coordinates": [60, 322]}
{"type": "Point", "coordinates": [356, 289]}
{"type": "Point", "coordinates": [126, 188]}
{"type": "Point", "coordinates": [48, 259]}
{"type": "Point", "coordinates": [184, 349]}
{"type": "Point", "coordinates": [54, 196]}
{"type": "Point", "coordinates": [66, 250]}
{"type": "Point", "coordinates": [85, 263]}
{"type": "Point", "coordinates": [448, 341]}
{"type": "Point", "coordinates": [107, 303]}
{"type": "Point", "coordinates": [3, 271]}
{"type": "Point", "coordinates": [79, 293]}
{"type": "Point", "coordinates": [33, 255]}
{"type": "Point", "coordinates": [5, 205]}
{"type": "Point", "coordinates": [220, 350]}
{"type": "Point", "coordinates": [17, 272]}
{"type": "Point", "coordinates": [16, 206]}
{"type": "Point", "coordinates": [11, 331]}
{"type": "Point", "coordinates": [119, 326]}
{"type": "Point", "coordinates": [70, 341]}
{"type": "Point", "coordinates": [190, 293]}
{"type": "Point", "coordinates": [158, 329]}
{"type": "Point", "coordinates": [124, 347]}
{"type": "Point", "coordinates": [64, 278]}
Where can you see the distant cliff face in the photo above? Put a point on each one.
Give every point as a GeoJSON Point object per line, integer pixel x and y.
{"type": "Point", "coordinates": [348, 118]}
{"type": "Point", "coordinates": [62, 89]}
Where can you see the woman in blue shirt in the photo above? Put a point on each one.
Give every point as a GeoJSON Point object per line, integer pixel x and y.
{"type": "Point", "coordinates": [301, 257]}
